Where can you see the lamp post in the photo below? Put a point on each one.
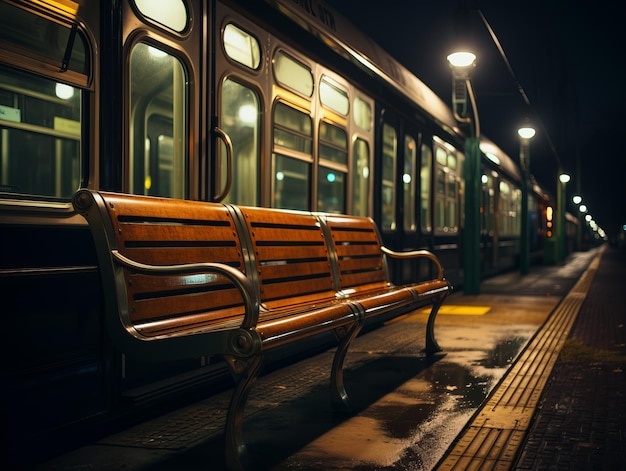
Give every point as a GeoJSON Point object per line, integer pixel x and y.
{"type": "Point", "coordinates": [462, 98]}
{"type": "Point", "coordinates": [560, 200]}
{"type": "Point", "coordinates": [525, 133]}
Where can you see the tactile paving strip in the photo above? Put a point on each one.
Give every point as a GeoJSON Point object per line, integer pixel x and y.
{"type": "Point", "coordinates": [493, 438]}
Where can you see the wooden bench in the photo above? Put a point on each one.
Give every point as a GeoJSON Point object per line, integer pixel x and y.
{"type": "Point", "coordinates": [184, 279]}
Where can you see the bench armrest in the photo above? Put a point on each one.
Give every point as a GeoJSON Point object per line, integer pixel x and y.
{"type": "Point", "coordinates": [415, 254]}
{"type": "Point", "coordinates": [241, 282]}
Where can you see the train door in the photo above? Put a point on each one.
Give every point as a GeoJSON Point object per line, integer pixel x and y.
{"type": "Point", "coordinates": [403, 190]}
{"type": "Point", "coordinates": [163, 82]}
{"type": "Point", "coordinates": [447, 206]}
{"type": "Point", "coordinates": [240, 86]}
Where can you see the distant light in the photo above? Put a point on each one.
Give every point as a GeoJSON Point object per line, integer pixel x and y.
{"type": "Point", "coordinates": [588, 217]}
{"type": "Point", "coordinates": [577, 199]}
{"type": "Point", "coordinates": [406, 178]}
{"type": "Point", "coordinates": [526, 132]}
{"type": "Point", "coordinates": [280, 176]}
{"type": "Point", "coordinates": [65, 92]}
{"type": "Point", "coordinates": [461, 59]}
{"type": "Point", "coordinates": [564, 178]}
{"type": "Point", "coordinates": [583, 208]}
{"type": "Point", "coordinates": [331, 177]}
{"type": "Point", "coordinates": [484, 179]}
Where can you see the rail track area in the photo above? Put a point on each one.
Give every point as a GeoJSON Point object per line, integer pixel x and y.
{"type": "Point", "coordinates": [473, 406]}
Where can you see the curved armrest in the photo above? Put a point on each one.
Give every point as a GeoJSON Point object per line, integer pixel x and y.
{"type": "Point", "coordinates": [243, 284]}
{"type": "Point", "coordinates": [415, 254]}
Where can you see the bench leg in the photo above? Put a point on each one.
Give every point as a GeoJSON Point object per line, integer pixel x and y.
{"type": "Point", "coordinates": [431, 344]}
{"type": "Point", "coordinates": [245, 373]}
{"type": "Point", "coordinates": [339, 396]}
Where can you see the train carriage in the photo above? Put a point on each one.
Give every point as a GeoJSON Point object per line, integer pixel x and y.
{"type": "Point", "coordinates": [277, 104]}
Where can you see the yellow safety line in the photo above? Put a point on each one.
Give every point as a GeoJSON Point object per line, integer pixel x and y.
{"type": "Point", "coordinates": [459, 310]}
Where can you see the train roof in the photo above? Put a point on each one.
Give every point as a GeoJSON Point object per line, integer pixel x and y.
{"type": "Point", "coordinates": [499, 158]}
{"type": "Point", "coordinates": [341, 35]}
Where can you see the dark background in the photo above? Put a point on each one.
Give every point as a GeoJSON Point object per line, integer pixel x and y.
{"type": "Point", "coordinates": [567, 56]}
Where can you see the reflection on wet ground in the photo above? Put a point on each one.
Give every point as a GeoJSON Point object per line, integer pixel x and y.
{"type": "Point", "coordinates": [411, 410]}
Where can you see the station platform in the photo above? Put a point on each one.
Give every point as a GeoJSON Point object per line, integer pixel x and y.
{"type": "Point", "coordinates": [531, 377]}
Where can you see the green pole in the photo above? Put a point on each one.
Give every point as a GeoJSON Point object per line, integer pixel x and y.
{"type": "Point", "coordinates": [524, 255]}
{"type": "Point", "coordinates": [560, 200]}
{"type": "Point", "coordinates": [524, 242]}
{"type": "Point", "coordinates": [471, 238]}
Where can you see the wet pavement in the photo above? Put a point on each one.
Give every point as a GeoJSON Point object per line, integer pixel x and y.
{"type": "Point", "coordinates": [410, 410]}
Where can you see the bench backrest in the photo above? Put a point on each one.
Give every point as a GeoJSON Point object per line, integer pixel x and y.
{"type": "Point", "coordinates": [357, 246]}
{"type": "Point", "coordinates": [170, 232]}
{"type": "Point", "coordinates": [291, 259]}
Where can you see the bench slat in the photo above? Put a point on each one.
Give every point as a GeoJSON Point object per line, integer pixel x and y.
{"type": "Point", "coordinates": [294, 288]}
{"type": "Point", "coordinates": [154, 297]}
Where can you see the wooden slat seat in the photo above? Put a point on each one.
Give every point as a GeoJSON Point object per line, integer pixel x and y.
{"type": "Point", "coordinates": [185, 279]}
{"type": "Point", "coordinates": [362, 275]}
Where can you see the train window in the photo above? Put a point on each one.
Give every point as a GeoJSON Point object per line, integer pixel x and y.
{"type": "Point", "coordinates": [487, 209]}
{"type": "Point", "coordinates": [452, 163]}
{"type": "Point", "coordinates": [409, 181]}
{"type": "Point", "coordinates": [59, 45]}
{"type": "Point", "coordinates": [169, 13]}
{"type": "Point", "coordinates": [362, 112]}
{"type": "Point", "coordinates": [293, 74]}
{"type": "Point", "coordinates": [292, 158]}
{"type": "Point", "coordinates": [292, 129]}
{"type": "Point", "coordinates": [510, 206]}
{"type": "Point", "coordinates": [334, 97]}
{"type": "Point", "coordinates": [388, 189]}
{"type": "Point", "coordinates": [360, 178]}
{"type": "Point", "coordinates": [447, 194]}
{"type": "Point", "coordinates": [440, 200]}
{"type": "Point", "coordinates": [505, 205]}
{"type": "Point", "coordinates": [333, 144]}
{"type": "Point", "coordinates": [240, 118]}
{"type": "Point", "coordinates": [425, 190]}
{"type": "Point", "coordinates": [332, 191]}
{"type": "Point", "coordinates": [333, 149]}
{"type": "Point", "coordinates": [242, 47]}
{"type": "Point", "coordinates": [442, 156]}
{"type": "Point", "coordinates": [451, 202]}
{"type": "Point", "coordinates": [158, 105]}
{"type": "Point", "coordinates": [291, 183]}
{"type": "Point", "coordinates": [40, 135]}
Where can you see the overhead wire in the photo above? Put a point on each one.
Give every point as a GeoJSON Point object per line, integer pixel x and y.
{"type": "Point", "coordinates": [519, 87]}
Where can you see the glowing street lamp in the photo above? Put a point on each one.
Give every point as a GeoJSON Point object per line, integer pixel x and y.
{"type": "Point", "coordinates": [462, 98]}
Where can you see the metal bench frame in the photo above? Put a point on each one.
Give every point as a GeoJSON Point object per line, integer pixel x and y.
{"type": "Point", "coordinates": [276, 277]}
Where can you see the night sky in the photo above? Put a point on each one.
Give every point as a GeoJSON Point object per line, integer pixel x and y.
{"type": "Point", "coordinates": [566, 55]}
